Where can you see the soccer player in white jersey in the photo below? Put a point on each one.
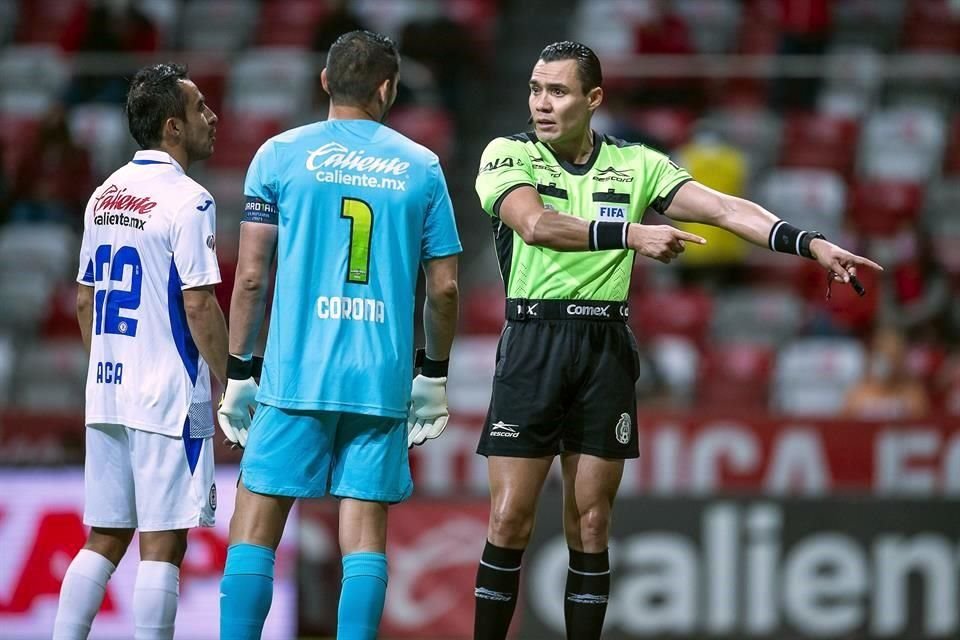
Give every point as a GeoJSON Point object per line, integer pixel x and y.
{"type": "Point", "coordinates": [154, 331]}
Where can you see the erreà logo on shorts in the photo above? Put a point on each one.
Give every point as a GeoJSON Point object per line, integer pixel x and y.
{"type": "Point", "coordinates": [501, 429]}
{"type": "Point", "coordinates": [589, 311]}
{"type": "Point", "coordinates": [333, 162]}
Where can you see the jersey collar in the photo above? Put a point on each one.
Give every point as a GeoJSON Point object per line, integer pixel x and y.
{"type": "Point", "coordinates": [152, 156]}
{"type": "Point", "coordinates": [569, 167]}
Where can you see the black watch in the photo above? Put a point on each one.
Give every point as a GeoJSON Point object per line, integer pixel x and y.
{"type": "Point", "coordinates": [806, 239]}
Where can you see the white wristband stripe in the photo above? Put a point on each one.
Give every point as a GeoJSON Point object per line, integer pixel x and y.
{"type": "Point", "coordinates": [773, 234]}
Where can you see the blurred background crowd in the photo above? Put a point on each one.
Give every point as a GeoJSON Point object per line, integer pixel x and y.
{"type": "Point", "coordinates": [839, 116]}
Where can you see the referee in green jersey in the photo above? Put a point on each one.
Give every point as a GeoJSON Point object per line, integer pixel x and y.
{"type": "Point", "coordinates": [565, 201]}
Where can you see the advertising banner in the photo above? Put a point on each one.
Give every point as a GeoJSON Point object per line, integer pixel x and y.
{"type": "Point", "coordinates": [41, 529]}
{"type": "Point", "coordinates": [784, 569]}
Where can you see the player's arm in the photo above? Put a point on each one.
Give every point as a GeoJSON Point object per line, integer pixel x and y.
{"type": "Point", "coordinates": [207, 327]}
{"type": "Point", "coordinates": [695, 202]}
{"type": "Point", "coordinates": [522, 210]}
{"type": "Point", "coordinates": [258, 244]}
{"type": "Point", "coordinates": [441, 307]}
{"type": "Point", "coordinates": [85, 313]}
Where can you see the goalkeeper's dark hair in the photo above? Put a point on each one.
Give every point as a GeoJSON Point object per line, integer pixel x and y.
{"type": "Point", "coordinates": [588, 65]}
{"type": "Point", "coordinates": [357, 64]}
{"type": "Point", "coordinates": [155, 94]}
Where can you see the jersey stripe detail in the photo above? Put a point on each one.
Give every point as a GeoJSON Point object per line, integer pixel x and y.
{"type": "Point", "coordinates": [661, 204]}
{"type": "Point", "coordinates": [149, 162]}
{"type": "Point", "coordinates": [611, 196]}
{"type": "Point", "coordinates": [552, 190]}
{"type": "Point", "coordinates": [503, 239]}
{"type": "Point", "coordinates": [188, 351]}
{"type": "Point", "coordinates": [191, 446]}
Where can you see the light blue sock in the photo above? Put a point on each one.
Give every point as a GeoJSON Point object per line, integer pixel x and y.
{"type": "Point", "coordinates": [246, 591]}
{"type": "Point", "coordinates": [361, 596]}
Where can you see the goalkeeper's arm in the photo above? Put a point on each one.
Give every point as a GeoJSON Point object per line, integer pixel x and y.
{"type": "Point", "coordinates": [428, 412]}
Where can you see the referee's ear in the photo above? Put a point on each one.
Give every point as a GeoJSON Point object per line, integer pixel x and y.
{"type": "Point", "coordinates": [594, 98]}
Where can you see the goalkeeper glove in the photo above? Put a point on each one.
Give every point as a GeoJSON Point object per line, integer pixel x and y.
{"type": "Point", "coordinates": [428, 414]}
{"type": "Point", "coordinates": [238, 401]}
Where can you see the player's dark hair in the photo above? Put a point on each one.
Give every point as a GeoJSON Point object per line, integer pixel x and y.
{"type": "Point", "coordinates": [357, 64]}
{"type": "Point", "coordinates": [588, 65]}
{"type": "Point", "coordinates": [155, 94]}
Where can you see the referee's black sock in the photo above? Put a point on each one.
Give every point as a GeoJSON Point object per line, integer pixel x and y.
{"type": "Point", "coordinates": [588, 588]}
{"type": "Point", "coordinates": [498, 581]}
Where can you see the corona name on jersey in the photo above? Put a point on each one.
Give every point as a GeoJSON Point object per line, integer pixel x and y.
{"type": "Point", "coordinates": [344, 308]}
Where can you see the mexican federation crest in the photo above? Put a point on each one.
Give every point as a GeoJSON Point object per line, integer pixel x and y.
{"type": "Point", "coordinates": [622, 430]}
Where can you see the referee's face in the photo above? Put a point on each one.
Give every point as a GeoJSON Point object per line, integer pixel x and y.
{"type": "Point", "coordinates": [558, 106]}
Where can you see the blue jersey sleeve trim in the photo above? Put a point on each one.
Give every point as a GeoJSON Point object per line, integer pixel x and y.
{"type": "Point", "coordinates": [188, 351]}
{"type": "Point", "coordinates": [149, 162]}
{"type": "Point", "coordinates": [88, 274]}
{"type": "Point", "coordinates": [259, 210]}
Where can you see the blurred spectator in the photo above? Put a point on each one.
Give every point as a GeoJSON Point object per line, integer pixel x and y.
{"type": "Point", "coordinates": [614, 118]}
{"type": "Point", "coordinates": [445, 48]}
{"type": "Point", "coordinates": [804, 31]}
{"type": "Point", "coordinates": [719, 165]}
{"type": "Point", "coordinates": [915, 296]}
{"type": "Point", "coordinates": [665, 32]}
{"type": "Point", "coordinates": [106, 26]}
{"type": "Point", "coordinates": [889, 391]}
{"type": "Point", "coordinates": [338, 21]}
{"type": "Point", "coordinates": [54, 178]}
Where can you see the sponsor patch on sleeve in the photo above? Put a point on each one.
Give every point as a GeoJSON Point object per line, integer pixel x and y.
{"type": "Point", "coordinates": [259, 210]}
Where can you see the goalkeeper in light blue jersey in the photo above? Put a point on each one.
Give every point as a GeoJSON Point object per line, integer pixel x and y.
{"type": "Point", "coordinates": [351, 210]}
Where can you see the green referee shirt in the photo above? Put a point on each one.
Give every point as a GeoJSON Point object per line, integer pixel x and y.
{"type": "Point", "coordinates": [617, 184]}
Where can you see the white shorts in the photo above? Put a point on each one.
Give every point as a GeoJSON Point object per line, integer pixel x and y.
{"type": "Point", "coordinates": [136, 479]}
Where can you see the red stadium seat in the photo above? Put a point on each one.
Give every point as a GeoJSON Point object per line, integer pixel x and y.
{"type": "Point", "coordinates": [684, 312]}
{"type": "Point", "coordinates": [45, 22]}
{"type": "Point", "coordinates": [880, 208]}
{"type": "Point", "coordinates": [239, 137]}
{"type": "Point", "coordinates": [483, 310]}
{"type": "Point", "coordinates": [289, 23]}
{"type": "Point", "coordinates": [820, 141]}
{"type": "Point", "coordinates": [951, 160]}
{"type": "Point", "coordinates": [931, 25]}
{"type": "Point", "coordinates": [17, 133]}
{"type": "Point", "coordinates": [735, 376]}
{"type": "Point", "coordinates": [430, 126]}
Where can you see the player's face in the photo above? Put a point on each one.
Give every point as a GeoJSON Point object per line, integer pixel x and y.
{"type": "Point", "coordinates": [558, 106]}
{"type": "Point", "coordinates": [200, 130]}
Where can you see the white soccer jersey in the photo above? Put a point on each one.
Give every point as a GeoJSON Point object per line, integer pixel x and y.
{"type": "Point", "coordinates": [148, 233]}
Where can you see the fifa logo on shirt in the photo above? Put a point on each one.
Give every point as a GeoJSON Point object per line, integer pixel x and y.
{"type": "Point", "coordinates": [611, 213]}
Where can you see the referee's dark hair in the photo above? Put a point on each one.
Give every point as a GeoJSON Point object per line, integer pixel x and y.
{"type": "Point", "coordinates": [588, 65]}
{"type": "Point", "coordinates": [155, 94]}
{"type": "Point", "coordinates": [357, 64]}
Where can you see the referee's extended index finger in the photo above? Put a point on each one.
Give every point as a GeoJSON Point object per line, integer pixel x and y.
{"type": "Point", "coordinates": [679, 234]}
{"type": "Point", "coordinates": [867, 263]}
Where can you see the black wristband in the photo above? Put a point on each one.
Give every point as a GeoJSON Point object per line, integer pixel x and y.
{"type": "Point", "coordinates": [256, 367]}
{"type": "Point", "coordinates": [431, 368]}
{"type": "Point", "coordinates": [238, 369]}
{"type": "Point", "coordinates": [786, 238]}
{"type": "Point", "coordinates": [604, 236]}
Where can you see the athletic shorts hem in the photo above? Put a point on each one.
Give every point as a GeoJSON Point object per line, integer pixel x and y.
{"type": "Point", "coordinates": [190, 523]}
{"type": "Point", "coordinates": [573, 447]}
{"type": "Point", "coordinates": [286, 492]}
{"type": "Point", "coordinates": [105, 524]}
{"type": "Point", "coordinates": [371, 496]}
{"type": "Point", "coordinates": [488, 451]}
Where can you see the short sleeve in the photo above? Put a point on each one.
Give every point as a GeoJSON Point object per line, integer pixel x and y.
{"type": "Point", "coordinates": [85, 272]}
{"type": "Point", "coordinates": [194, 242]}
{"type": "Point", "coordinates": [661, 179]}
{"type": "Point", "coordinates": [504, 166]}
{"type": "Point", "coordinates": [259, 187]}
{"type": "Point", "coordinates": [440, 237]}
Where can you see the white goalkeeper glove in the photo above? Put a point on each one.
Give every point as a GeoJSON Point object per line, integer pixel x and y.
{"type": "Point", "coordinates": [238, 402]}
{"type": "Point", "coordinates": [428, 412]}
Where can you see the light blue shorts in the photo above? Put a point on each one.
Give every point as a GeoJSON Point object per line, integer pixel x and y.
{"type": "Point", "coordinates": [308, 454]}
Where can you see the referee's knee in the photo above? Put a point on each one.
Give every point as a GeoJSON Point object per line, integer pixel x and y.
{"type": "Point", "coordinates": [510, 528]}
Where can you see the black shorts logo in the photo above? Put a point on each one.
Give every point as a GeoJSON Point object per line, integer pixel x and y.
{"type": "Point", "coordinates": [213, 497]}
{"type": "Point", "coordinates": [622, 430]}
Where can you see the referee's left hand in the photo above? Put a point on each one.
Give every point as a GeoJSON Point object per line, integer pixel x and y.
{"type": "Point", "coordinates": [428, 413]}
{"type": "Point", "coordinates": [840, 263]}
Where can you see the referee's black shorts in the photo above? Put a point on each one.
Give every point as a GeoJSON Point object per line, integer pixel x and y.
{"type": "Point", "coordinates": [564, 382]}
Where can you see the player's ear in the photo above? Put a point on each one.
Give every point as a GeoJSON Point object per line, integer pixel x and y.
{"type": "Point", "coordinates": [594, 98]}
{"type": "Point", "coordinates": [323, 80]}
{"type": "Point", "coordinates": [172, 129]}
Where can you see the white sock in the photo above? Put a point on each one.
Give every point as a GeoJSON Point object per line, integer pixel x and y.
{"type": "Point", "coordinates": [81, 595]}
{"type": "Point", "coordinates": [155, 600]}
